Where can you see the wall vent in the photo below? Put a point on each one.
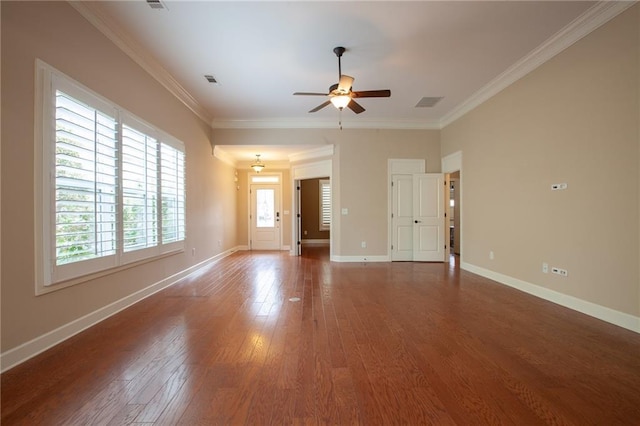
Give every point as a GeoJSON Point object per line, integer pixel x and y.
{"type": "Point", "coordinates": [428, 102]}
{"type": "Point", "coordinates": [211, 79]}
{"type": "Point", "coordinates": [156, 4]}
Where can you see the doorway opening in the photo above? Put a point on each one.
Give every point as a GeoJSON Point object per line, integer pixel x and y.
{"type": "Point", "coordinates": [315, 215]}
{"type": "Point", "coordinates": [317, 171]}
{"type": "Point", "coordinates": [452, 167]}
{"type": "Point", "coordinates": [453, 213]}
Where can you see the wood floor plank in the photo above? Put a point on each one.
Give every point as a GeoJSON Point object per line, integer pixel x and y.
{"type": "Point", "coordinates": [266, 338]}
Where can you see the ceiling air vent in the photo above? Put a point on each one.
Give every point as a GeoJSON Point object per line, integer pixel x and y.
{"type": "Point", "coordinates": [211, 79]}
{"type": "Point", "coordinates": [428, 102]}
{"type": "Point", "coordinates": [156, 4]}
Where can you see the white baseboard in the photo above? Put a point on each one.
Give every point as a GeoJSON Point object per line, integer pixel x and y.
{"type": "Point", "coordinates": [247, 248]}
{"type": "Point", "coordinates": [356, 259]}
{"type": "Point", "coordinates": [312, 242]}
{"type": "Point", "coordinates": [603, 313]}
{"type": "Point", "coordinates": [27, 350]}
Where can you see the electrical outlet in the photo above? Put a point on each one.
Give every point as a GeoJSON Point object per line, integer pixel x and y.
{"type": "Point", "coordinates": [491, 255]}
{"type": "Point", "coordinates": [545, 267]}
{"type": "Point", "coordinates": [559, 271]}
{"type": "Point", "coordinates": [363, 244]}
{"type": "Point", "coordinates": [193, 251]}
{"type": "Point", "coordinates": [558, 186]}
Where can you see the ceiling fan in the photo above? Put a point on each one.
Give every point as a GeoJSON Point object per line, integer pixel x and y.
{"type": "Point", "coordinates": [341, 95]}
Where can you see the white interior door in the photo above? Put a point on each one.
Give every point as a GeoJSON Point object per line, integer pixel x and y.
{"type": "Point", "coordinates": [428, 217]}
{"type": "Point", "coordinates": [402, 217]}
{"type": "Point", "coordinates": [265, 217]}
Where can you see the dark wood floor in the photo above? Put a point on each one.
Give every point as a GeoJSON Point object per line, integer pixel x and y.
{"type": "Point", "coordinates": [373, 344]}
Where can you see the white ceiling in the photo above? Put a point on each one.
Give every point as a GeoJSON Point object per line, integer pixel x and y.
{"type": "Point", "coordinates": [262, 52]}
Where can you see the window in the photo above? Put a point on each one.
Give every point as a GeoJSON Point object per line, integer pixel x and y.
{"type": "Point", "coordinates": [173, 207]}
{"type": "Point", "coordinates": [112, 188]}
{"type": "Point", "coordinates": [139, 190]}
{"type": "Point", "coordinates": [265, 179]}
{"type": "Point", "coordinates": [325, 204]}
{"type": "Point", "coordinates": [265, 208]}
{"type": "Point", "coordinates": [85, 183]}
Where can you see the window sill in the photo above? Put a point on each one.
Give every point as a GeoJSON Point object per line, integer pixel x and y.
{"type": "Point", "coordinates": [42, 289]}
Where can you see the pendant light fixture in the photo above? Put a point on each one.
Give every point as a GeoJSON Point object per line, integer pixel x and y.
{"type": "Point", "coordinates": [258, 165]}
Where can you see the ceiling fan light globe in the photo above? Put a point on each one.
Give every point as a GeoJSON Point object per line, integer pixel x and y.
{"type": "Point", "coordinates": [340, 101]}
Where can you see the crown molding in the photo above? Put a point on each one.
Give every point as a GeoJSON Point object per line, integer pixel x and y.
{"type": "Point", "coordinates": [269, 166]}
{"type": "Point", "coordinates": [223, 156]}
{"type": "Point", "coordinates": [311, 154]}
{"type": "Point", "coordinates": [590, 20]}
{"type": "Point", "coordinates": [91, 12]}
{"type": "Point", "coordinates": [293, 123]}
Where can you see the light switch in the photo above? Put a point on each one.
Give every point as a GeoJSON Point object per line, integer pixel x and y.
{"type": "Point", "coordinates": [345, 211]}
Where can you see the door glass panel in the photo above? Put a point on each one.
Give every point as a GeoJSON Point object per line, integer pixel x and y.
{"type": "Point", "coordinates": [265, 208]}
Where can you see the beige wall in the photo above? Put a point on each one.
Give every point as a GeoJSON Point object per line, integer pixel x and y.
{"type": "Point", "coordinates": [363, 183]}
{"type": "Point", "coordinates": [359, 177]}
{"type": "Point", "coordinates": [57, 34]}
{"type": "Point", "coordinates": [310, 210]}
{"type": "Point", "coordinates": [576, 120]}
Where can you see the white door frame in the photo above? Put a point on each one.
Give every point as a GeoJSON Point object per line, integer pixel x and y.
{"type": "Point", "coordinates": [450, 164]}
{"type": "Point", "coordinates": [250, 204]}
{"type": "Point", "coordinates": [318, 169]}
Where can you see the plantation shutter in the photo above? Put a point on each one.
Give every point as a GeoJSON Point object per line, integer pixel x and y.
{"type": "Point", "coordinates": [325, 204]}
{"type": "Point", "coordinates": [100, 177]}
{"type": "Point", "coordinates": [85, 181]}
{"type": "Point", "coordinates": [139, 190]}
{"type": "Point", "coordinates": [173, 194]}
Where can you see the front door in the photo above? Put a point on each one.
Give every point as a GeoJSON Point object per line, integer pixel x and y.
{"type": "Point", "coordinates": [265, 217]}
{"type": "Point", "coordinates": [428, 217]}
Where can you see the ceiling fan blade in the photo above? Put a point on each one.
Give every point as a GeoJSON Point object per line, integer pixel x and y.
{"type": "Point", "coordinates": [344, 86]}
{"type": "Point", "coordinates": [355, 107]}
{"type": "Point", "coordinates": [310, 94]}
{"type": "Point", "coordinates": [372, 94]}
{"type": "Point", "coordinates": [319, 107]}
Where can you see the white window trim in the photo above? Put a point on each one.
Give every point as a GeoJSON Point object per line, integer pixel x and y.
{"type": "Point", "coordinates": [44, 132]}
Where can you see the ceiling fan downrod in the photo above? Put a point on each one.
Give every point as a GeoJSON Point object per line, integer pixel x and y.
{"type": "Point", "coordinates": [339, 51]}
